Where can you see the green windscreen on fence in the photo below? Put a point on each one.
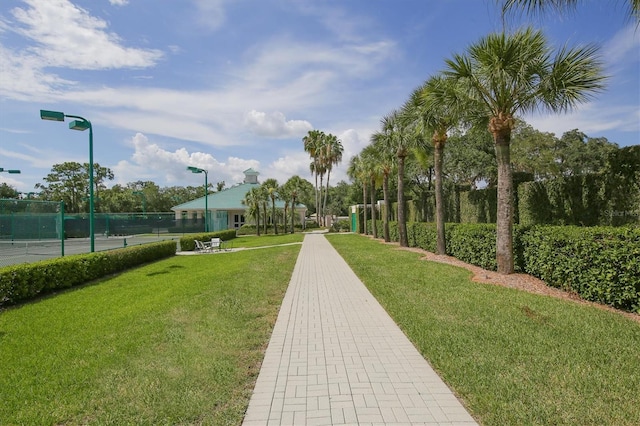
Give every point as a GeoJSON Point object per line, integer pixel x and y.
{"type": "Point", "coordinates": [30, 220]}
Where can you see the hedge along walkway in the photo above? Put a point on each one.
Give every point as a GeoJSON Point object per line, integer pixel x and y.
{"type": "Point", "coordinates": [522, 282]}
{"type": "Point", "coordinates": [336, 357]}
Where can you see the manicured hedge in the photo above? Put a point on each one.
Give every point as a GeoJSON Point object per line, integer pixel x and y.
{"type": "Point", "coordinates": [601, 264]}
{"type": "Point", "coordinates": [187, 243]}
{"type": "Point", "coordinates": [21, 282]}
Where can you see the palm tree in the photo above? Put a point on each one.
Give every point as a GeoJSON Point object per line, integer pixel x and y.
{"type": "Point", "coordinates": [294, 188]}
{"type": "Point", "coordinates": [252, 199]}
{"type": "Point", "coordinates": [371, 170]}
{"type": "Point", "coordinates": [271, 189]}
{"type": "Point", "coordinates": [436, 107]}
{"type": "Point", "coordinates": [313, 142]}
{"type": "Point", "coordinates": [505, 75]}
{"type": "Point", "coordinates": [356, 171]}
{"type": "Point", "coordinates": [332, 156]}
{"type": "Point", "coordinates": [398, 138]}
{"type": "Point", "coordinates": [539, 6]}
{"type": "Point", "coordinates": [386, 163]}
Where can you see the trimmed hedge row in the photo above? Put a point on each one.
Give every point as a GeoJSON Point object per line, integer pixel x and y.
{"type": "Point", "coordinates": [187, 243]}
{"type": "Point", "coordinates": [21, 282]}
{"type": "Point", "coordinates": [601, 264]}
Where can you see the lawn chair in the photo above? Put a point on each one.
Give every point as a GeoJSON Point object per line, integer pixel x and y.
{"type": "Point", "coordinates": [216, 244]}
{"type": "Point", "coordinates": [202, 246]}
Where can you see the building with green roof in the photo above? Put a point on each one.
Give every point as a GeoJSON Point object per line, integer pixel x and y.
{"type": "Point", "coordinates": [225, 208]}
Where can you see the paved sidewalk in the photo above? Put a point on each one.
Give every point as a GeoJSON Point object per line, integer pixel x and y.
{"type": "Point", "coordinates": [337, 358]}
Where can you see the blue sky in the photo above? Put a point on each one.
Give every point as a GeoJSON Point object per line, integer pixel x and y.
{"type": "Point", "coordinates": [231, 84]}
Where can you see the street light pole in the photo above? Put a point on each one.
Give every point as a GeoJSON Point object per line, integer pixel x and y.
{"type": "Point", "coordinates": [80, 124]}
{"type": "Point", "coordinates": [206, 195]}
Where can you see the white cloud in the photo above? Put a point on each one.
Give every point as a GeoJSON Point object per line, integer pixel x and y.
{"type": "Point", "coordinates": [210, 13]}
{"type": "Point", "coordinates": [149, 161]}
{"type": "Point", "coordinates": [275, 125]}
{"type": "Point", "coordinates": [68, 36]}
{"type": "Point", "coordinates": [624, 46]}
{"type": "Point", "coordinates": [119, 2]}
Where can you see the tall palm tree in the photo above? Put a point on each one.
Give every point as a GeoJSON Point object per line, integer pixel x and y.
{"type": "Point", "coordinates": [436, 107]}
{"type": "Point", "coordinates": [357, 172]}
{"type": "Point", "coordinates": [371, 170]}
{"type": "Point", "coordinates": [313, 142]}
{"type": "Point", "coordinates": [505, 75]}
{"type": "Point", "coordinates": [386, 163]}
{"type": "Point", "coordinates": [271, 188]}
{"type": "Point", "coordinates": [397, 137]}
{"type": "Point", "coordinates": [539, 6]}
{"type": "Point", "coordinates": [293, 187]}
{"type": "Point", "coordinates": [252, 199]}
{"type": "Point", "coordinates": [333, 150]}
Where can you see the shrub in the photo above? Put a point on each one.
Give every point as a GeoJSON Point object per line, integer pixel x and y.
{"type": "Point", "coordinates": [342, 225]}
{"type": "Point", "coordinates": [25, 281]}
{"type": "Point", "coordinates": [187, 243]}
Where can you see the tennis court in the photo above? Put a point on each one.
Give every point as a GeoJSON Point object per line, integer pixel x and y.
{"type": "Point", "coordinates": [26, 251]}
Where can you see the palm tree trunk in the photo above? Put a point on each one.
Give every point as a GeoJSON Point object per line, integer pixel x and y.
{"type": "Point", "coordinates": [364, 199]}
{"type": "Point", "coordinates": [326, 192]}
{"type": "Point", "coordinates": [320, 212]}
{"type": "Point", "coordinates": [293, 213]}
{"type": "Point", "coordinates": [402, 221]}
{"type": "Point", "coordinates": [387, 206]}
{"type": "Point", "coordinates": [374, 226]}
{"type": "Point", "coordinates": [437, 157]}
{"type": "Point", "coordinates": [273, 216]}
{"type": "Point", "coordinates": [317, 204]}
{"type": "Point", "coordinates": [258, 220]}
{"type": "Point", "coordinates": [504, 226]}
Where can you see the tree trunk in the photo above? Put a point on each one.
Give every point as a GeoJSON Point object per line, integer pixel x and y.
{"type": "Point", "coordinates": [364, 199]}
{"type": "Point", "coordinates": [317, 206]}
{"type": "Point", "coordinates": [320, 213]}
{"type": "Point", "coordinates": [387, 206]}
{"type": "Point", "coordinates": [437, 160]}
{"type": "Point", "coordinates": [501, 129]}
{"type": "Point", "coordinates": [258, 221]}
{"type": "Point", "coordinates": [273, 218]}
{"type": "Point", "coordinates": [293, 214]}
{"type": "Point", "coordinates": [402, 221]}
{"type": "Point", "coordinates": [374, 226]}
{"type": "Point", "coordinates": [326, 192]}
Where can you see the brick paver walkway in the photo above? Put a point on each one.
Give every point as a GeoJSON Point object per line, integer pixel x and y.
{"type": "Point", "coordinates": [337, 358]}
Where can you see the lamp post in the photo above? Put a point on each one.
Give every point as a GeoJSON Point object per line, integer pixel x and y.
{"type": "Point", "coordinates": [80, 124]}
{"type": "Point", "coordinates": [144, 201]}
{"type": "Point", "coordinates": [12, 171]}
{"type": "Point", "coordinates": [206, 195]}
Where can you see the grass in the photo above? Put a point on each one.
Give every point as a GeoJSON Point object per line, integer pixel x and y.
{"type": "Point", "coordinates": [175, 342]}
{"type": "Point", "coordinates": [514, 358]}
{"type": "Point", "coordinates": [266, 240]}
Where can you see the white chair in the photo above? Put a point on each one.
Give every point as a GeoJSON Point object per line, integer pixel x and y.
{"type": "Point", "coordinates": [202, 246]}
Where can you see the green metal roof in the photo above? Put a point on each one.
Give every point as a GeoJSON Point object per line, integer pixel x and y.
{"type": "Point", "coordinates": [227, 199]}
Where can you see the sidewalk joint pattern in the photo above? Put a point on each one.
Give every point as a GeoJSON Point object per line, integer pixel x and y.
{"type": "Point", "coordinates": [336, 357]}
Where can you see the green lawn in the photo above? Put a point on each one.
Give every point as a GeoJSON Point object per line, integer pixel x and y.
{"type": "Point", "coordinates": [175, 342]}
{"type": "Point", "coordinates": [514, 358]}
{"type": "Point", "coordinates": [266, 240]}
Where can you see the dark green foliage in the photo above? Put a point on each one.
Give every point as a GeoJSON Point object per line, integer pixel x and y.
{"type": "Point", "coordinates": [25, 281]}
{"type": "Point", "coordinates": [601, 264]}
{"type": "Point", "coordinates": [478, 206]}
{"type": "Point", "coordinates": [187, 243]}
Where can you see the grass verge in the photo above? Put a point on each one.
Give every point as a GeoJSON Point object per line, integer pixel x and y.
{"type": "Point", "coordinates": [514, 358]}
{"type": "Point", "coordinates": [175, 342]}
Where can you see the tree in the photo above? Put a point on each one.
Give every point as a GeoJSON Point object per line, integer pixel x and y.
{"type": "Point", "coordinates": [295, 188]}
{"type": "Point", "coordinates": [332, 155]}
{"type": "Point", "coordinates": [253, 199]}
{"type": "Point", "coordinates": [386, 164]}
{"type": "Point", "coordinates": [67, 182]}
{"type": "Point", "coordinates": [533, 7]}
{"type": "Point", "coordinates": [512, 74]}
{"type": "Point", "coordinates": [357, 172]}
{"type": "Point", "coordinates": [313, 146]}
{"type": "Point", "coordinates": [7, 191]}
{"type": "Point", "coordinates": [371, 171]}
{"type": "Point", "coordinates": [436, 107]}
{"type": "Point", "coordinates": [271, 189]}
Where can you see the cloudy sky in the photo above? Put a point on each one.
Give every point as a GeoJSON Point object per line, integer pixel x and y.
{"type": "Point", "coordinates": [231, 84]}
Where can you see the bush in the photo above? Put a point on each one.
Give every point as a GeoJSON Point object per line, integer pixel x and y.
{"type": "Point", "coordinates": [600, 264]}
{"type": "Point", "coordinates": [342, 225]}
{"type": "Point", "coordinates": [187, 243]}
{"type": "Point", "coordinates": [21, 282]}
